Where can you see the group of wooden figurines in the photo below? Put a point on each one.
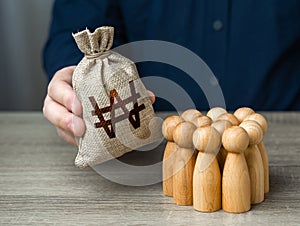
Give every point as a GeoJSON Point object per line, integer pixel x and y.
{"type": "Point", "coordinates": [217, 160]}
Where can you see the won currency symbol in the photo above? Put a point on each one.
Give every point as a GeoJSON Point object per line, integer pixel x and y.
{"type": "Point", "coordinates": [116, 102]}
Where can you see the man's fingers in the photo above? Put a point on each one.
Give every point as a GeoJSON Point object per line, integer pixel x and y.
{"type": "Point", "coordinates": [61, 91]}
{"type": "Point", "coordinates": [66, 136]}
{"type": "Point", "coordinates": [151, 96]}
{"type": "Point", "coordinates": [62, 118]}
{"type": "Point", "coordinates": [65, 74]}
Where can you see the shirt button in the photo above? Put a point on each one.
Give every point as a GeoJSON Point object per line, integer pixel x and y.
{"type": "Point", "coordinates": [217, 25]}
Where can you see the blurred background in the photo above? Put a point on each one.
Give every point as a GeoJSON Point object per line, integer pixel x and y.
{"type": "Point", "coordinates": [24, 26]}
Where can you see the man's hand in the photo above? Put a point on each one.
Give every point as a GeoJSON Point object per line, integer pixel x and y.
{"type": "Point", "coordinates": [63, 109]}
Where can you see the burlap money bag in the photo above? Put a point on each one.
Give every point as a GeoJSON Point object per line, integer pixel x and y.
{"type": "Point", "coordinates": [116, 107]}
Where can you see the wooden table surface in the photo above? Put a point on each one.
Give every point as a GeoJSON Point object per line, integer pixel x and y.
{"type": "Point", "coordinates": [39, 183]}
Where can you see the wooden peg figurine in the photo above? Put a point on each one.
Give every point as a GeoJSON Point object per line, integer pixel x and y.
{"type": "Point", "coordinates": [229, 117]}
{"type": "Point", "coordinates": [207, 177]}
{"type": "Point", "coordinates": [254, 161]}
{"type": "Point", "coordinates": [184, 164]}
{"type": "Point", "coordinates": [221, 126]}
{"type": "Point", "coordinates": [235, 179]}
{"type": "Point", "coordinates": [215, 112]}
{"type": "Point", "coordinates": [242, 113]}
{"type": "Point", "coordinates": [201, 121]}
{"type": "Point", "coordinates": [189, 114]}
{"type": "Point", "coordinates": [261, 120]}
{"type": "Point", "coordinates": [168, 127]}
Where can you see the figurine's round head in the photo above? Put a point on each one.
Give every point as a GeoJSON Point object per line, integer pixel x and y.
{"type": "Point", "coordinates": [201, 121]}
{"type": "Point", "coordinates": [260, 119]}
{"type": "Point", "coordinates": [243, 112]}
{"type": "Point", "coordinates": [183, 134]}
{"type": "Point", "coordinates": [229, 117]}
{"type": "Point", "coordinates": [189, 114]}
{"type": "Point", "coordinates": [169, 125]}
{"type": "Point", "coordinates": [254, 131]}
{"type": "Point", "coordinates": [215, 112]}
{"type": "Point", "coordinates": [221, 125]}
{"type": "Point", "coordinates": [206, 139]}
{"type": "Point", "coordinates": [235, 139]}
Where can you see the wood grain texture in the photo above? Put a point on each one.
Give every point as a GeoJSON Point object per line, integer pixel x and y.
{"type": "Point", "coordinates": [39, 184]}
{"type": "Point", "coordinates": [236, 194]}
{"type": "Point", "coordinates": [265, 159]}
{"type": "Point", "coordinates": [207, 186]}
{"type": "Point", "coordinates": [184, 164]}
{"type": "Point", "coordinates": [256, 172]}
{"type": "Point", "coordinates": [167, 168]}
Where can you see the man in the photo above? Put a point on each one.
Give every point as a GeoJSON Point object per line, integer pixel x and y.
{"type": "Point", "coordinates": [252, 46]}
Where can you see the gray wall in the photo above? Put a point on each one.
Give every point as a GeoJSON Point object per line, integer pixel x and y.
{"type": "Point", "coordinates": [23, 29]}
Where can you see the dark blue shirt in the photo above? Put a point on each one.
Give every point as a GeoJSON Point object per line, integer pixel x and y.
{"type": "Point", "coordinates": [252, 46]}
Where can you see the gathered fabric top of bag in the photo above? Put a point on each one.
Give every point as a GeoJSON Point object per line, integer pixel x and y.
{"type": "Point", "coordinates": [95, 44]}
